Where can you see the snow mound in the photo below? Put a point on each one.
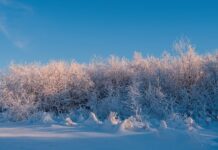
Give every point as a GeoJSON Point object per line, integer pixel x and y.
{"type": "Point", "coordinates": [163, 124]}
{"type": "Point", "coordinates": [113, 118]}
{"type": "Point", "coordinates": [133, 124]}
{"type": "Point", "coordinates": [47, 118]}
{"type": "Point", "coordinates": [69, 122]}
{"type": "Point", "coordinates": [93, 120]}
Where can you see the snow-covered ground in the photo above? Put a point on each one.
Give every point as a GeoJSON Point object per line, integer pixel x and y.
{"type": "Point", "coordinates": [27, 136]}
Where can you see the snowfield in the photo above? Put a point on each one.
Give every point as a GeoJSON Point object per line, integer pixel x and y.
{"type": "Point", "coordinates": [25, 136]}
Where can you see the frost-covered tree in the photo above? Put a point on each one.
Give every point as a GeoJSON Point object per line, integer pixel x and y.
{"type": "Point", "coordinates": [185, 84]}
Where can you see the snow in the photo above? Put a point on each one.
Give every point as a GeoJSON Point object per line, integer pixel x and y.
{"type": "Point", "coordinates": [23, 136]}
{"type": "Point", "coordinates": [163, 124]}
{"type": "Point", "coordinates": [69, 122]}
{"type": "Point", "coordinates": [145, 103]}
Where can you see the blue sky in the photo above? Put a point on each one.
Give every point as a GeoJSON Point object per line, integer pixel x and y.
{"type": "Point", "coordinates": [44, 30]}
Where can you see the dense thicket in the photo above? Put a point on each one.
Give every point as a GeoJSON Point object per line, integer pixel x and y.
{"type": "Point", "coordinates": [186, 84]}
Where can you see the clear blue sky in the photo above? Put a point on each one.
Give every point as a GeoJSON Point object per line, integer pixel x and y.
{"type": "Point", "coordinates": [43, 30]}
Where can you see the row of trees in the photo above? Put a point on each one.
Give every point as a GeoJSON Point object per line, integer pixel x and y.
{"type": "Point", "coordinates": [186, 84]}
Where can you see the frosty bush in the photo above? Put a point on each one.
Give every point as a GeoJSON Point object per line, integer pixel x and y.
{"type": "Point", "coordinates": [185, 84]}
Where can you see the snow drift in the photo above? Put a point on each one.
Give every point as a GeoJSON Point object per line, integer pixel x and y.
{"type": "Point", "coordinates": [185, 84]}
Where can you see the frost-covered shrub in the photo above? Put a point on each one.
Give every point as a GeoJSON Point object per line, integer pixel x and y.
{"type": "Point", "coordinates": [57, 87]}
{"type": "Point", "coordinates": [145, 87]}
{"type": "Point", "coordinates": [16, 96]}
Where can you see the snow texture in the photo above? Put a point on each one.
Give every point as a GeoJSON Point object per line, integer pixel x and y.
{"type": "Point", "coordinates": [144, 103]}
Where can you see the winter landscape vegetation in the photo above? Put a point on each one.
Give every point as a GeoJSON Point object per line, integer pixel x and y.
{"type": "Point", "coordinates": [167, 102]}
{"type": "Point", "coordinates": [108, 75]}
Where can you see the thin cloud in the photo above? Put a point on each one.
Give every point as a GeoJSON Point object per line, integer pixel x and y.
{"type": "Point", "coordinates": [20, 44]}
{"type": "Point", "coordinates": [5, 29]}
{"type": "Point", "coordinates": [16, 5]}
{"type": "Point", "coordinates": [16, 42]}
{"type": "Point", "coordinates": [5, 2]}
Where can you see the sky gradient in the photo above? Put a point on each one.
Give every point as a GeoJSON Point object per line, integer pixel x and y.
{"type": "Point", "coordinates": [44, 30]}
